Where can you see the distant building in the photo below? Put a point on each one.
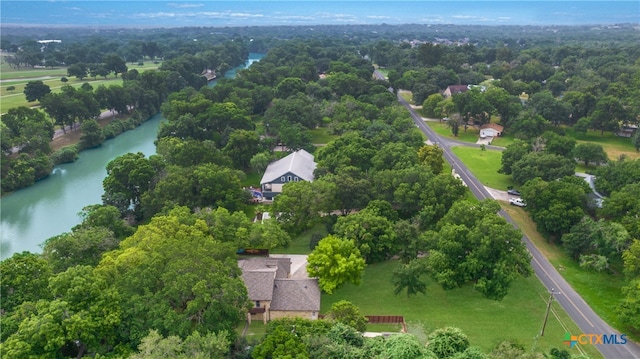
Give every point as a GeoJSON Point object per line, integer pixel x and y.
{"type": "Point", "coordinates": [454, 90]}
{"type": "Point", "coordinates": [298, 166]}
{"type": "Point", "coordinates": [491, 130]}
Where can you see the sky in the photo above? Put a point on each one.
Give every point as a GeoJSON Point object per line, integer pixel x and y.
{"type": "Point", "coordinates": [179, 13]}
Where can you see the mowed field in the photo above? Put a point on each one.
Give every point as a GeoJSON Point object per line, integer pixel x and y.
{"type": "Point", "coordinates": [18, 79]}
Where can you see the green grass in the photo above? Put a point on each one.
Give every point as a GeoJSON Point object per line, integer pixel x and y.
{"type": "Point", "coordinates": [300, 244]}
{"type": "Point", "coordinates": [600, 290]}
{"type": "Point", "coordinates": [613, 145]}
{"type": "Point", "coordinates": [19, 79]}
{"type": "Point", "coordinates": [503, 141]}
{"type": "Point", "coordinates": [252, 179]}
{"type": "Point", "coordinates": [443, 129]}
{"type": "Point", "coordinates": [484, 165]}
{"type": "Point", "coordinates": [321, 136]}
{"type": "Point", "coordinates": [518, 316]}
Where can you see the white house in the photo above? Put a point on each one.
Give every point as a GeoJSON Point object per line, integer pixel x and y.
{"type": "Point", "coordinates": [491, 130]}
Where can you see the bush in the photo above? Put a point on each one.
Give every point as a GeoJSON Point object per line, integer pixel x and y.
{"type": "Point", "coordinates": [66, 154]}
{"type": "Point", "coordinates": [11, 88]}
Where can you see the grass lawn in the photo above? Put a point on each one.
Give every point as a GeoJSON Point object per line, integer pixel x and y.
{"type": "Point", "coordinates": [443, 129]}
{"type": "Point", "coordinates": [613, 145]}
{"type": "Point", "coordinates": [503, 141]}
{"type": "Point", "coordinates": [518, 316]}
{"type": "Point", "coordinates": [321, 136]}
{"type": "Point", "coordinates": [600, 290]}
{"type": "Point", "coordinates": [484, 165]}
{"type": "Point", "coordinates": [300, 244]}
{"type": "Point", "coordinates": [19, 79]}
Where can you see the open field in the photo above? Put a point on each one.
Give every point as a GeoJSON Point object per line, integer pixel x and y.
{"type": "Point", "coordinates": [518, 316]}
{"type": "Point", "coordinates": [18, 78]}
{"type": "Point", "coordinates": [484, 165]}
{"type": "Point", "coordinates": [443, 129]}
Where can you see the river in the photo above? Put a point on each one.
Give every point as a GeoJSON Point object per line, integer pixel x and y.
{"type": "Point", "coordinates": [51, 206]}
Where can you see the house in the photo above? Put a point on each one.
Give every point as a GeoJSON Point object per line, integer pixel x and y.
{"type": "Point", "coordinates": [454, 89]}
{"type": "Point", "coordinates": [298, 166]}
{"type": "Point", "coordinates": [275, 293]}
{"type": "Point", "coordinates": [491, 130]}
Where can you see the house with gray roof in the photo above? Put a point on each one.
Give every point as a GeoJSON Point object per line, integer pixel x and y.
{"type": "Point", "coordinates": [274, 293]}
{"type": "Point", "coordinates": [297, 166]}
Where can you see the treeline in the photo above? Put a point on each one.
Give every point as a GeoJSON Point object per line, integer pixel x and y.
{"type": "Point", "coordinates": [26, 132]}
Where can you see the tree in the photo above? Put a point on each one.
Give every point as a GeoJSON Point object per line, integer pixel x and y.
{"type": "Point", "coordinates": [636, 140]}
{"type": "Point", "coordinates": [28, 129]}
{"type": "Point", "coordinates": [128, 178]}
{"type": "Point", "coordinates": [175, 277]}
{"type": "Point", "coordinates": [512, 154]}
{"type": "Point", "coordinates": [105, 216]}
{"type": "Point", "coordinates": [297, 207]}
{"type": "Point", "coordinates": [547, 166]}
{"type": "Point", "coordinates": [474, 244]}
{"type": "Point", "coordinates": [83, 246]}
{"type": "Point", "coordinates": [506, 105]}
{"type": "Point", "coordinates": [407, 276]}
{"type": "Point", "coordinates": [400, 346]}
{"type": "Point", "coordinates": [432, 156]}
{"type": "Point", "coordinates": [608, 114]}
{"type": "Point", "coordinates": [590, 153]}
{"type": "Point", "coordinates": [528, 124]}
{"type": "Point", "coordinates": [447, 342]}
{"type": "Point", "coordinates": [559, 145]}
{"type": "Point", "coordinates": [544, 104]}
{"type": "Point", "coordinates": [347, 313]}
{"type": "Point", "coordinates": [92, 135]}
{"type": "Point", "coordinates": [241, 147]}
{"type": "Point", "coordinates": [78, 70]}
{"type": "Point", "coordinates": [25, 277]}
{"type": "Point", "coordinates": [372, 234]}
{"type": "Point", "coordinates": [83, 317]}
{"type": "Point", "coordinates": [195, 345]}
{"type": "Point", "coordinates": [629, 309]}
{"type": "Point", "coordinates": [335, 261]}
{"type": "Point", "coordinates": [555, 206]}
{"type": "Point", "coordinates": [114, 63]}
{"type": "Point", "coordinates": [36, 90]}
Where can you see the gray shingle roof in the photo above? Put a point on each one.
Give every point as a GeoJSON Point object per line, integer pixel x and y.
{"type": "Point", "coordinates": [259, 284]}
{"type": "Point", "coordinates": [300, 163]}
{"type": "Point", "coordinates": [296, 295]}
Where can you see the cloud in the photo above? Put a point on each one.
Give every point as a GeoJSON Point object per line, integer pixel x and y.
{"type": "Point", "coordinates": [184, 6]}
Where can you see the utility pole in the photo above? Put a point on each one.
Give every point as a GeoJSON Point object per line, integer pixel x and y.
{"type": "Point", "coordinates": [546, 316]}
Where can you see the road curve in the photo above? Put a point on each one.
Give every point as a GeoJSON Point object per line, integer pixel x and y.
{"type": "Point", "coordinates": [586, 319]}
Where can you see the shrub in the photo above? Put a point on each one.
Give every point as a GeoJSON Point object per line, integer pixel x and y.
{"type": "Point", "coordinates": [65, 155]}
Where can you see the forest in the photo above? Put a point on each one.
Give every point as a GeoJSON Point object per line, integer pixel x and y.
{"type": "Point", "coordinates": [153, 269]}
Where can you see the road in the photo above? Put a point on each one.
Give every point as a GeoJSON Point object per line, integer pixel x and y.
{"type": "Point", "coordinates": [586, 319]}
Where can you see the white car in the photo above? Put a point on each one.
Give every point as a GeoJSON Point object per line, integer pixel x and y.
{"type": "Point", "coordinates": [517, 202]}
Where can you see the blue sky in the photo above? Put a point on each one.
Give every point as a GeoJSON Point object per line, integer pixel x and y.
{"type": "Point", "coordinates": [176, 13]}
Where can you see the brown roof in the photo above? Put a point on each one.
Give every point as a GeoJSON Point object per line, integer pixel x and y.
{"type": "Point", "coordinates": [454, 89]}
{"type": "Point", "coordinates": [296, 295]}
{"type": "Point", "coordinates": [494, 126]}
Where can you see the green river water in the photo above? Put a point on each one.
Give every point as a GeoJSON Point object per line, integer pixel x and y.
{"type": "Point", "coordinates": [51, 206]}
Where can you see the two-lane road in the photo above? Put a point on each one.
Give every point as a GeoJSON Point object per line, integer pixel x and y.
{"type": "Point", "coordinates": [586, 319]}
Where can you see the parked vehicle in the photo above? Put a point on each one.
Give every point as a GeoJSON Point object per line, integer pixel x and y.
{"type": "Point", "coordinates": [517, 202]}
{"type": "Point", "coordinates": [513, 192]}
